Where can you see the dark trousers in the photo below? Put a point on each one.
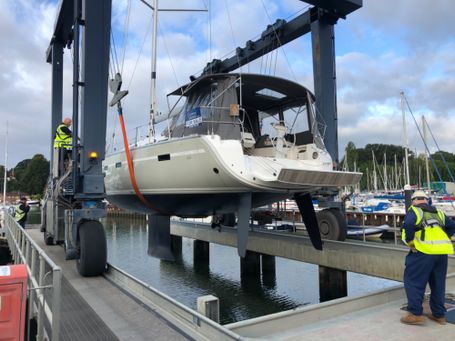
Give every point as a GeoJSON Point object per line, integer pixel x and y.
{"type": "Point", "coordinates": [421, 269]}
{"type": "Point", "coordinates": [22, 223]}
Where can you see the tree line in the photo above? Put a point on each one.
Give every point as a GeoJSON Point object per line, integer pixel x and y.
{"type": "Point", "coordinates": [391, 158]}
{"type": "Point", "coordinates": [29, 176]}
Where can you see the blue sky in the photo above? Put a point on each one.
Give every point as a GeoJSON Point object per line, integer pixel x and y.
{"type": "Point", "coordinates": [381, 49]}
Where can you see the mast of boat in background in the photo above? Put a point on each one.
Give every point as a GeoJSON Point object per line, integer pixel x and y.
{"type": "Point", "coordinates": [153, 106]}
{"type": "Point", "coordinates": [427, 152]}
{"type": "Point", "coordinates": [385, 173]}
{"type": "Point", "coordinates": [4, 167]}
{"type": "Point", "coordinates": [375, 179]}
{"type": "Point", "coordinates": [405, 136]}
{"type": "Point", "coordinates": [396, 179]}
{"type": "Point", "coordinates": [368, 180]}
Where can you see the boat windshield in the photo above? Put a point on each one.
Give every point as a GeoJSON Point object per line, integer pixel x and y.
{"type": "Point", "coordinates": [207, 112]}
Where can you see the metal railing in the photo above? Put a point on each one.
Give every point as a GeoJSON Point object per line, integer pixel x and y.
{"type": "Point", "coordinates": [44, 281]}
{"type": "Point", "coordinates": [191, 322]}
{"type": "Point", "coordinates": [395, 228]}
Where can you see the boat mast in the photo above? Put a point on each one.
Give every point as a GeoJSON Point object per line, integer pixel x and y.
{"type": "Point", "coordinates": [6, 161]}
{"type": "Point", "coordinates": [153, 106]}
{"type": "Point", "coordinates": [406, 160]}
{"type": "Point", "coordinates": [427, 152]}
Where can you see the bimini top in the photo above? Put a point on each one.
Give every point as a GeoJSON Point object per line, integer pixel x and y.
{"type": "Point", "coordinates": [209, 99]}
{"type": "Point", "coordinates": [261, 91]}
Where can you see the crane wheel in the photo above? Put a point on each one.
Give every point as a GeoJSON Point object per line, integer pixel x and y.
{"type": "Point", "coordinates": [332, 224]}
{"type": "Point", "coordinates": [92, 249]}
{"type": "Point", "coordinates": [48, 239]}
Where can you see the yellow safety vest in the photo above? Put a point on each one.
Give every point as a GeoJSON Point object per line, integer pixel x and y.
{"type": "Point", "coordinates": [430, 238]}
{"type": "Point", "coordinates": [62, 139]}
{"type": "Point", "coordinates": [19, 213]}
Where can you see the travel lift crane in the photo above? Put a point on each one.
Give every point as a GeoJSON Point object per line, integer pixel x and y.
{"type": "Point", "coordinates": [75, 196]}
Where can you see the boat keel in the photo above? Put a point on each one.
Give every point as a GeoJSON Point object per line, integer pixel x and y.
{"type": "Point", "coordinates": [308, 214]}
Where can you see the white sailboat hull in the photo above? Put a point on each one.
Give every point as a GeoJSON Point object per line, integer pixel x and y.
{"type": "Point", "coordinates": [202, 175]}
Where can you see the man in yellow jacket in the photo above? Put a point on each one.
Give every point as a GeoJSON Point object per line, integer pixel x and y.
{"type": "Point", "coordinates": [21, 212]}
{"type": "Point", "coordinates": [427, 232]}
{"type": "Point", "coordinates": [63, 135]}
{"type": "Point", "coordinates": [63, 140]}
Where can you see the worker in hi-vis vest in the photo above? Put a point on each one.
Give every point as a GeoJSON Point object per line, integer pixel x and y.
{"type": "Point", "coordinates": [63, 138]}
{"type": "Point", "coordinates": [21, 211]}
{"type": "Point", "coordinates": [427, 232]}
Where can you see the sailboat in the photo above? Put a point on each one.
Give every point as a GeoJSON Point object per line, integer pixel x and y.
{"type": "Point", "coordinates": [239, 141]}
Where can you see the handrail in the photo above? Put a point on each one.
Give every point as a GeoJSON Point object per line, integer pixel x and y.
{"type": "Point", "coordinates": [44, 297]}
{"type": "Point", "coordinates": [186, 319]}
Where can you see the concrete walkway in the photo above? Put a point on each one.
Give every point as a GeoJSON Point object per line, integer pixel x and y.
{"type": "Point", "coordinates": [371, 317]}
{"type": "Point", "coordinates": [125, 318]}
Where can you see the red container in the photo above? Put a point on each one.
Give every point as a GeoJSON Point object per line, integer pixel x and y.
{"type": "Point", "coordinates": [13, 298]}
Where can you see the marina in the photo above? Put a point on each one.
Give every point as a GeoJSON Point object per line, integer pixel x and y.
{"type": "Point", "coordinates": [219, 205]}
{"type": "Point", "coordinates": [382, 301]}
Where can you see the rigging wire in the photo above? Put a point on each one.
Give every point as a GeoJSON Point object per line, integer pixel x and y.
{"type": "Point", "coordinates": [279, 41]}
{"type": "Point", "coordinates": [424, 142]}
{"type": "Point", "coordinates": [114, 54]}
{"type": "Point", "coordinates": [169, 57]}
{"type": "Point", "coordinates": [125, 33]}
{"type": "Point", "coordinates": [208, 7]}
{"type": "Point", "coordinates": [232, 32]}
{"type": "Point", "coordinates": [149, 28]}
{"type": "Point", "coordinates": [442, 156]}
{"type": "Point", "coordinates": [229, 53]}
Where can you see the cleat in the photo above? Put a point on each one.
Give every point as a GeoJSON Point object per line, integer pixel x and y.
{"type": "Point", "coordinates": [413, 319]}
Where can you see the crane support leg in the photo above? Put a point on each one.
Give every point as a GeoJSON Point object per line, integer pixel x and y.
{"type": "Point", "coordinates": [160, 237]}
{"type": "Point", "coordinates": [243, 224]}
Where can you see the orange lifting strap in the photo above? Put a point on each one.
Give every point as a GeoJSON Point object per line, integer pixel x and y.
{"type": "Point", "coordinates": [131, 167]}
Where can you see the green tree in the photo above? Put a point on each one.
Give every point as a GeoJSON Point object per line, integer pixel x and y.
{"type": "Point", "coordinates": [18, 172]}
{"type": "Point", "coordinates": [34, 177]}
{"type": "Point", "coordinates": [350, 155]}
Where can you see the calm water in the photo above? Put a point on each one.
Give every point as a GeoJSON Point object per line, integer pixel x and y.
{"type": "Point", "coordinates": [296, 283]}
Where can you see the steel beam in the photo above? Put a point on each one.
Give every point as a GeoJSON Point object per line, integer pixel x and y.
{"type": "Point", "coordinates": [324, 75]}
{"type": "Point", "coordinates": [340, 8]}
{"type": "Point", "coordinates": [62, 27]}
{"type": "Point", "coordinates": [273, 37]}
{"type": "Point", "coordinates": [95, 74]}
{"type": "Point", "coordinates": [57, 91]}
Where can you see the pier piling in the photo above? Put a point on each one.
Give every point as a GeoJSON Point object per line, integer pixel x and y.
{"type": "Point", "coordinates": [332, 283]}
{"type": "Point", "coordinates": [201, 251]}
{"type": "Point", "coordinates": [268, 270]}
